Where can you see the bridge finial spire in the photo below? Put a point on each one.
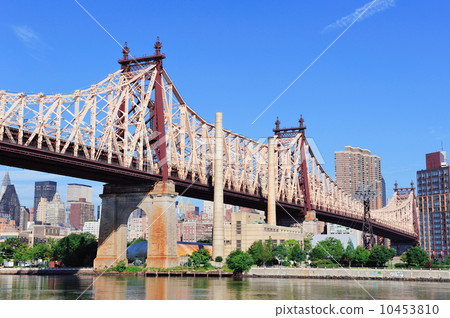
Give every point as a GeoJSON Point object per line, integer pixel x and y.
{"type": "Point", "coordinates": [395, 186]}
{"type": "Point", "coordinates": [277, 123]}
{"type": "Point", "coordinates": [125, 51]}
{"type": "Point", "coordinates": [301, 122]}
{"type": "Point", "coordinates": [158, 46]}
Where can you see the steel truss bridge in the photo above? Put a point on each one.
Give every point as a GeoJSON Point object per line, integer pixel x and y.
{"type": "Point", "coordinates": [134, 127]}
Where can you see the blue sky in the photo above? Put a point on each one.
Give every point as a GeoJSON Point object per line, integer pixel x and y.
{"type": "Point", "coordinates": [383, 85]}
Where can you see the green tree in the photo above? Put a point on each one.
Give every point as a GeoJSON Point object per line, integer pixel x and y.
{"type": "Point", "coordinates": [2, 261]}
{"type": "Point", "coordinates": [307, 245]}
{"type": "Point", "coordinates": [349, 253]}
{"type": "Point", "coordinates": [239, 261]}
{"type": "Point", "coordinates": [318, 252]}
{"type": "Point", "coordinates": [446, 260]}
{"type": "Point", "coordinates": [22, 253]}
{"type": "Point", "coordinates": [380, 255]}
{"type": "Point", "coordinates": [330, 248]}
{"type": "Point", "coordinates": [205, 241]}
{"type": "Point", "coordinates": [297, 254]}
{"type": "Point", "coordinates": [10, 247]}
{"type": "Point", "coordinates": [280, 252]}
{"type": "Point", "coordinates": [403, 257]}
{"type": "Point", "coordinates": [200, 258]}
{"type": "Point", "coordinates": [261, 253]}
{"type": "Point", "coordinates": [361, 255]}
{"type": "Point", "coordinates": [76, 250]}
{"type": "Point", "coordinates": [120, 266]}
{"type": "Point", "coordinates": [415, 255]}
{"type": "Point", "coordinates": [41, 251]}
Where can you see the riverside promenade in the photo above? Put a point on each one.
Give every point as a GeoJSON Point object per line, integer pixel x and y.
{"type": "Point", "coordinates": [352, 273]}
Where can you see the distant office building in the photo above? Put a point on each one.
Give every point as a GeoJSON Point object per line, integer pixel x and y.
{"type": "Point", "coordinates": [434, 205]}
{"type": "Point", "coordinates": [333, 229]}
{"type": "Point", "coordinates": [40, 234]}
{"type": "Point", "coordinates": [76, 191]}
{"type": "Point", "coordinates": [80, 212]}
{"type": "Point", "coordinates": [24, 218]}
{"type": "Point", "coordinates": [193, 231]}
{"type": "Point", "coordinates": [41, 211]}
{"type": "Point", "coordinates": [185, 205]}
{"type": "Point", "coordinates": [92, 227]}
{"type": "Point", "coordinates": [356, 166]}
{"type": "Point", "coordinates": [43, 189]}
{"type": "Point", "coordinates": [51, 212]}
{"type": "Point", "coordinates": [56, 210]}
{"type": "Point", "coordinates": [137, 226]}
{"type": "Point", "coordinates": [208, 209]}
{"type": "Point", "coordinates": [9, 201]}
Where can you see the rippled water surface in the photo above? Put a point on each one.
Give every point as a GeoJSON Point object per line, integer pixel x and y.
{"type": "Point", "coordinates": [115, 287]}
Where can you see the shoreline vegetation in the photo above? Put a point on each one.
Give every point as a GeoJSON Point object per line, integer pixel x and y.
{"type": "Point", "coordinates": [328, 259]}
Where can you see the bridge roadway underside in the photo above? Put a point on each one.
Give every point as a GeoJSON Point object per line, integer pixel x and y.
{"type": "Point", "coordinates": [32, 158]}
{"type": "Point", "coordinates": [400, 241]}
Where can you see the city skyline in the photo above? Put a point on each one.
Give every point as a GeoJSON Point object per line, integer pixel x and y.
{"type": "Point", "coordinates": [370, 90]}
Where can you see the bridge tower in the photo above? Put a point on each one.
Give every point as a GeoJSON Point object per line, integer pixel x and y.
{"type": "Point", "coordinates": [157, 200]}
{"type": "Point", "coordinates": [286, 133]}
{"type": "Point", "coordinates": [365, 194]}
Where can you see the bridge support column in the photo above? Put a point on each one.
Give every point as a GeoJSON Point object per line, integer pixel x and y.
{"type": "Point", "coordinates": [271, 207]}
{"type": "Point", "coordinates": [162, 226]}
{"type": "Point", "coordinates": [118, 201]}
{"type": "Point", "coordinates": [218, 228]}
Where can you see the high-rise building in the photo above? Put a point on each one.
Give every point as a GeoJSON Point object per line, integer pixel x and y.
{"type": "Point", "coordinates": [77, 191]}
{"type": "Point", "coordinates": [55, 210]}
{"type": "Point", "coordinates": [434, 205]}
{"type": "Point", "coordinates": [24, 218]}
{"type": "Point", "coordinates": [137, 225]}
{"type": "Point", "coordinates": [80, 212]}
{"type": "Point", "coordinates": [92, 227]}
{"type": "Point", "coordinates": [79, 204]}
{"type": "Point", "coordinates": [356, 166]}
{"type": "Point", "coordinates": [9, 201]}
{"type": "Point", "coordinates": [43, 189]}
{"type": "Point", "coordinates": [41, 213]}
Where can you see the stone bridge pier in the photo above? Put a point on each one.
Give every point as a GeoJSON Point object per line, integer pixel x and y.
{"type": "Point", "coordinates": [118, 202]}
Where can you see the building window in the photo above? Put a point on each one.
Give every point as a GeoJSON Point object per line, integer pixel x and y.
{"type": "Point", "coordinates": [238, 244]}
{"type": "Point", "coordinates": [238, 227]}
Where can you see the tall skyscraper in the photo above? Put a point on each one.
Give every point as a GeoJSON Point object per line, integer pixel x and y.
{"type": "Point", "coordinates": [79, 203]}
{"type": "Point", "coordinates": [81, 212]}
{"type": "Point", "coordinates": [77, 191]}
{"type": "Point", "coordinates": [43, 189]}
{"type": "Point", "coordinates": [9, 201]}
{"type": "Point", "coordinates": [356, 166]}
{"type": "Point", "coordinates": [434, 205]}
{"type": "Point", "coordinates": [55, 210]}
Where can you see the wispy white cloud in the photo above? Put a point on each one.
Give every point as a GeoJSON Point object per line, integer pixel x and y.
{"type": "Point", "coordinates": [27, 35]}
{"type": "Point", "coordinates": [378, 6]}
{"type": "Point", "coordinates": [31, 40]}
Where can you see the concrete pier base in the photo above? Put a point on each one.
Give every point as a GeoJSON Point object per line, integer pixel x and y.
{"type": "Point", "coordinates": [162, 237]}
{"type": "Point", "coordinates": [118, 201]}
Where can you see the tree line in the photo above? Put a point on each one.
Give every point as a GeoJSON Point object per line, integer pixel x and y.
{"type": "Point", "coordinates": [327, 253]}
{"type": "Point", "coordinates": [74, 250]}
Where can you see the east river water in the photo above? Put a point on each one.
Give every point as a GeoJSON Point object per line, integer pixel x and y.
{"type": "Point", "coordinates": [155, 288]}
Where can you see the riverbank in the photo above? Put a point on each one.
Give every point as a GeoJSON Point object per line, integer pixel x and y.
{"type": "Point", "coordinates": [269, 272]}
{"type": "Point", "coordinates": [92, 272]}
{"type": "Point", "coordinates": [352, 273]}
